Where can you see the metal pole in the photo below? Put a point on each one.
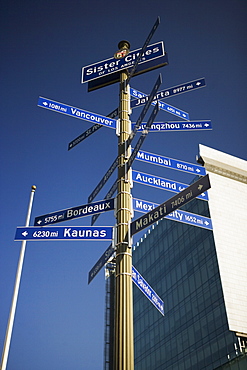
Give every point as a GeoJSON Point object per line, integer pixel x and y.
{"type": "Point", "coordinates": [123, 338]}
{"type": "Point", "coordinates": [16, 289]}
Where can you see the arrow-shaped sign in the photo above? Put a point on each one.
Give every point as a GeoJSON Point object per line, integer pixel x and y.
{"type": "Point", "coordinates": [76, 112]}
{"type": "Point", "coordinates": [171, 205]}
{"type": "Point", "coordinates": [75, 212]}
{"type": "Point", "coordinates": [167, 93]}
{"type": "Point", "coordinates": [167, 162]}
{"type": "Point", "coordinates": [144, 206]}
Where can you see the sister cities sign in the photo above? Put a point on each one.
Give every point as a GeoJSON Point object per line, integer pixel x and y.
{"type": "Point", "coordinates": [171, 204]}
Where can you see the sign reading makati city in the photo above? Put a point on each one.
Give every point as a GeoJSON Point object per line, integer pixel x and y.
{"type": "Point", "coordinates": [171, 204]}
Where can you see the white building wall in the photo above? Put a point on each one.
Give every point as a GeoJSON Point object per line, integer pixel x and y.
{"type": "Point", "coordinates": [227, 204]}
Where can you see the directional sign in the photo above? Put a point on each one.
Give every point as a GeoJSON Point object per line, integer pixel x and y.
{"type": "Point", "coordinates": [100, 263]}
{"type": "Point", "coordinates": [76, 112]}
{"type": "Point", "coordinates": [143, 50]}
{"type": "Point", "coordinates": [180, 216]}
{"type": "Point", "coordinates": [179, 89]}
{"type": "Point", "coordinates": [64, 233]}
{"type": "Point", "coordinates": [75, 212]}
{"type": "Point", "coordinates": [146, 289]}
{"type": "Point", "coordinates": [178, 126]}
{"type": "Point", "coordinates": [162, 183]}
{"type": "Point", "coordinates": [171, 204]}
{"type": "Point", "coordinates": [141, 68]}
{"type": "Point", "coordinates": [163, 106]}
{"type": "Point", "coordinates": [90, 131]}
{"type": "Point", "coordinates": [113, 65]}
{"type": "Point", "coordinates": [167, 162]}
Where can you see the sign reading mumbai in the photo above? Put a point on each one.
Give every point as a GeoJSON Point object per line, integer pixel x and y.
{"type": "Point", "coordinates": [64, 233]}
{"type": "Point", "coordinates": [167, 162]}
{"type": "Point", "coordinates": [171, 204]}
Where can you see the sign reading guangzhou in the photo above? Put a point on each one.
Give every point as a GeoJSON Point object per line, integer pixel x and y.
{"type": "Point", "coordinates": [112, 65]}
{"type": "Point", "coordinates": [171, 204]}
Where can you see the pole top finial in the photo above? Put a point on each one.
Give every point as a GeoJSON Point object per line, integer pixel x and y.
{"type": "Point", "coordinates": [123, 44]}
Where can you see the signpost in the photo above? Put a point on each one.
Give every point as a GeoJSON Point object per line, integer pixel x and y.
{"type": "Point", "coordinates": [121, 68]}
{"type": "Point", "coordinates": [75, 212]}
{"type": "Point", "coordinates": [171, 204]}
{"type": "Point", "coordinates": [76, 112]}
{"type": "Point", "coordinates": [64, 233]}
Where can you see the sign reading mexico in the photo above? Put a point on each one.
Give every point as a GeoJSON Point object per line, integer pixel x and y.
{"type": "Point", "coordinates": [113, 65]}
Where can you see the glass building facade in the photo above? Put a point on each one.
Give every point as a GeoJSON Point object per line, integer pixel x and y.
{"type": "Point", "coordinates": [179, 262]}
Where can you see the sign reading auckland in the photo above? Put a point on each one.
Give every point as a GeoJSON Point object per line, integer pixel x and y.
{"type": "Point", "coordinates": [162, 183]}
{"type": "Point", "coordinates": [144, 206]}
{"type": "Point", "coordinates": [75, 212]}
{"type": "Point", "coordinates": [76, 112]}
{"type": "Point", "coordinates": [167, 162]}
{"type": "Point", "coordinates": [147, 290]}
{"type": "Point", "coordinates": [112, 65]}
{"type": "Point", "coordinates": [64, 233]}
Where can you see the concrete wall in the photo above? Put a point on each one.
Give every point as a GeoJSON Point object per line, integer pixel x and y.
{"type": "Point", "coordinates": [227, 204]}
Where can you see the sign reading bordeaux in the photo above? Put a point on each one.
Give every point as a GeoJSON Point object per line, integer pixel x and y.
{"type": "Point", "coordinates": [171, 204]}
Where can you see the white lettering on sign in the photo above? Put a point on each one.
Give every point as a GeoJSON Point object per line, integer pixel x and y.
{"type": "Point", "coordinates": [73, 233]}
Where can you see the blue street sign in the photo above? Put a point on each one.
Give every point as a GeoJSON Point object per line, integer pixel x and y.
{"type": "Point", "coordinates": [76, 112]}
{"type": "Point", "coordinates": [178, 126]}
{"type": "Point", "coordinates": [162, 183]}
{"type": "Point", "coordinates": [164, 94]}
{"type": "Point", "coordinates": [75, 212]}
{"type": "Point", "coordinates": [141, 68]}
{"type": "Point", "coordinates": [64, 233]}
{"type": "Point", "coordinates": [163, 106]}
{"type": "Point", "coordinates": [112, 65]}
{"type": "Point", "coordinates": [171, 205]}
{"type": "Point", "coordinates": [178, 215]}
{"type": "Point", "coordinates": [100, 263]}
{"type": "Point", "coordinates": [167, 162]}
{"type": "Point", "coordinates": [146, 289]}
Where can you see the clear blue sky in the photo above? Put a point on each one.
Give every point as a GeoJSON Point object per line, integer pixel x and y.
{"type": "Point", "coordinates": [60, 319]}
